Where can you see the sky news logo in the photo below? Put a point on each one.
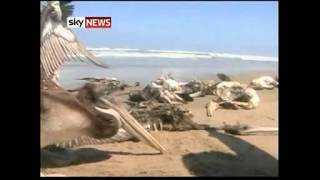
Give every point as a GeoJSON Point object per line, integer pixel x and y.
{"type": "Point", "coordinates": [89, 22]}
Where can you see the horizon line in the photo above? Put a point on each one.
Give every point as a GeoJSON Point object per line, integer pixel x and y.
{"type": "Point", "coordinates": [176, 53]}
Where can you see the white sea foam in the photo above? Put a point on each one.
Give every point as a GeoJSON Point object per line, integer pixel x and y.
{"type": "Point", "coordinates": [139, 53]}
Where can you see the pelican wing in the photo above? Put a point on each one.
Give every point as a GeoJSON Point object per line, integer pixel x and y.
{"type": "Point", "coordinates": [60, 46]}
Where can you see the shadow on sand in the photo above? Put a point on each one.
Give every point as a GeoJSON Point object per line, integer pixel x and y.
{"type": "Point", "coordinates": [66, 157]}
{"type": "Point", "coordinates": [248, 160]}
{"type": "Point", "coordinates": [59, 157]}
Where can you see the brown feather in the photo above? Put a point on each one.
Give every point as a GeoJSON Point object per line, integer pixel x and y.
{"type": "Point", "coordinates": [47, 51]}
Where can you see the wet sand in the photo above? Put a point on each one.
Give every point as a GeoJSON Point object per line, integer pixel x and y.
{"type": "Point", "coordinates": [194, 153]}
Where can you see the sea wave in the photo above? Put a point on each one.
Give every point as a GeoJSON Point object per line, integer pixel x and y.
{"type": "Point", "coordinates": [139, 53]}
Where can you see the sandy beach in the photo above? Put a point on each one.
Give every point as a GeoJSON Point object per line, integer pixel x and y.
{"type": "Point", "coordinates": [181, 50]}
{"type": "Point", "coordinates": [196, 152]}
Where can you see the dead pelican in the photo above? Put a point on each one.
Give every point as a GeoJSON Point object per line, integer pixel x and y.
{"type": "Point", "coordinates": [236, 95]}
{"type": "Point", "coordinates": [264, 82]}
{"type": "Point", "coordinates": [66, 115]}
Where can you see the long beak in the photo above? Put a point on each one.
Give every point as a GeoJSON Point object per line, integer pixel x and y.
{"type": "Point", "coordinates": [130, 124]}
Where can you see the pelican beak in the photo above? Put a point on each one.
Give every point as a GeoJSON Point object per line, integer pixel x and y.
{"type": "Point", "coordinates": [130, 124]}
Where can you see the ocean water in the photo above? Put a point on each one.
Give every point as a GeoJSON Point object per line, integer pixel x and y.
{"type": "Point", "coordinates": [144, 70]}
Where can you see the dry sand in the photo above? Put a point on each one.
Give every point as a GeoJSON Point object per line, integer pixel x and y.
{"type": "Point", "coordinates": [193, 153]}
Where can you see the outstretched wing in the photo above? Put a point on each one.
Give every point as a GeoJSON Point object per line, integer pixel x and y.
{"type": "Point", "coordinates": [59, 46]}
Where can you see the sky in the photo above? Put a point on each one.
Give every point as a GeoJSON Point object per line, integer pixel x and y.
{"type": "Point", "coordinates": [228, 27]}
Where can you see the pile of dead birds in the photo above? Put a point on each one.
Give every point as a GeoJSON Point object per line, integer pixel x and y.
{"type": "Point", "coordinates": [160, 102]}
{"type": "Point", "coordinates": [166, 117]}
{"type": "Point", "coordinates": [159, 105]}
{"type": "Point", "coordinates": [228, 93]}
{"type": "Point", "coordinates": [167, 90]}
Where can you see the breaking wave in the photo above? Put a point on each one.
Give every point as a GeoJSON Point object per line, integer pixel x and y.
{"type": "Point", "coordinates": [139, 53]}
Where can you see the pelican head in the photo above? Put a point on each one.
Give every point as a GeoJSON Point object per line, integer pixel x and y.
{"type": "Point", "coordinates": [51, 14]}
{"type": "Point", "coordinates": [54, 10]}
